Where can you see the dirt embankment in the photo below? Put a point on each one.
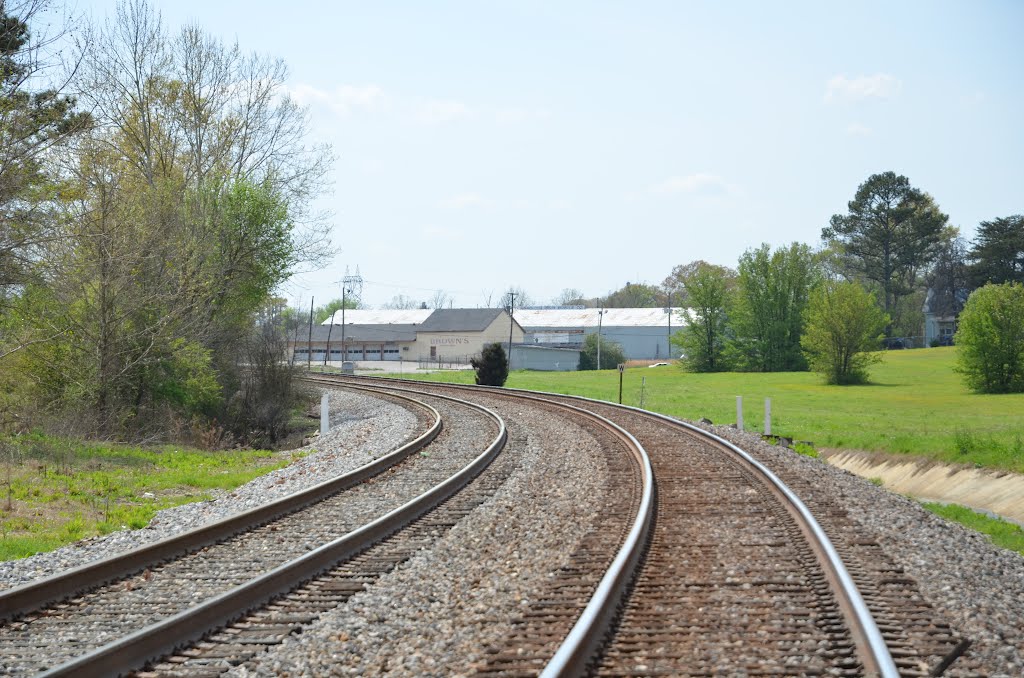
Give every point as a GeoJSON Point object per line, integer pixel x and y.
{"type": "Point", "coordinates": [981, 489]}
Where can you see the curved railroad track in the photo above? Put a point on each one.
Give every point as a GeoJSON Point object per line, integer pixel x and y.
{"type": "Point", "coordinates": [205, 578]}
{"type": "Point", "coordinates": [739, 577]}
{"type": "Point", "coordinates": [699, 562]}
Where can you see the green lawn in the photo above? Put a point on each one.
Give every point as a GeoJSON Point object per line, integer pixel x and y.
{"type": "Point", "coordinates": [916, 404]}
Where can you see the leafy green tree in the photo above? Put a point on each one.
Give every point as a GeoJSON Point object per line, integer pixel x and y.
{"type": "Point", "coordinates": [492, 365]}
{"type": "Point", "coordinates": [771, 297]}
{"type": "Point", "coordinates": [322, 313]}
{"type": "Point", "coordinates": [611, 353]}
{"type": "Point", "coordinates": [34, 123]}
{"type": "Point", "coordinates": [948, 280]}
{"type": "Point", "coordinates": [704, 339]}
{"type": "Point", "coordinates": [843, 328]}
{"type": "Point", "coordinates": [998, 252]}
{"type": "Point", "coordinates": [186, 205]}
{"type": "Point", "coordinates": [990, 339]}
{"type": "Point", "coordinates": [890, 233]}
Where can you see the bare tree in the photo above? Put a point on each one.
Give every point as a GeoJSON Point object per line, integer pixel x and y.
{"type": "Point", "coordinates": [570, 296]}
{"type": "Point", "coordinates": [401, 302]}
{"type": "Point", "coordinates": [441, 299]}
{"type": "Point", "coordinates": [518, 295]}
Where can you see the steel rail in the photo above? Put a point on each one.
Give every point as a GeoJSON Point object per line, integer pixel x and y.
{"type": "Point", "coordinates": [37, 594]}
{"type": "Point", "coordinates": [868, 640]}
{"type": "Point", "coordinates": [588, 633]}
{"type": "Point", "coordinates": [130, 652]}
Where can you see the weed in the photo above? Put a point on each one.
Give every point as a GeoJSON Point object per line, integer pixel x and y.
{"type": "Point", "coordinates": [805, 449]}
{"type": "Point", "coordinates": [963, 440]}
{"type": "Point", "coordinates": [876, 481]}
{"type": "Point", "coordinates": [74, 529]}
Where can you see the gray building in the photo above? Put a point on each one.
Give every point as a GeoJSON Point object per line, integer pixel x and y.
{"type": "Point", "coordinates": [643, 333]}
{"type": "Point", "coordinates": [542, 358]}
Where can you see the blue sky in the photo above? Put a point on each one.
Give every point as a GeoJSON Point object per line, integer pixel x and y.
{"type": "Point", "coordinates": [546, 145]}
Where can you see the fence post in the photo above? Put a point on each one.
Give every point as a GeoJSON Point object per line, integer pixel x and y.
{"type": "Point", "coordinates": [325, 420]}
{"type": "Point", "coordinates": [767, 416]}
{"type": "Point", "coordinates": [739, 412]}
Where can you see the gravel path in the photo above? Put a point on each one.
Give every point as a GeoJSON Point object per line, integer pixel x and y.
{"type": "Point", "coordinates": [363, 428]}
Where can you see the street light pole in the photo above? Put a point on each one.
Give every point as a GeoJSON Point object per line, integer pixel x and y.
{"type": "Point", "coordinates": [600, 317]}
{"type": "Point", "coordinates": [511, 322]}
{"type": "Point", "coordinates": [668, 347]}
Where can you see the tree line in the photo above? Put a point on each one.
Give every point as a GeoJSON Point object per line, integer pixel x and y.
{"type": "Point", "coordinates": [892, 251]}
{"type": "Point", "coordinates": [149, 206]}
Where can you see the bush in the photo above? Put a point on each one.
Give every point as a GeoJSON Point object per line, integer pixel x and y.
{"type": "Point", "coordinates": [611, 354]}
{"type": "Point", "coordinates": [259, 411]}
{"type": "Point", "coordinates": [991, 339]}
{"type": "Point", "coordinates": [492, 365]}
{"type": "Point", "coordinates": [843, 325]}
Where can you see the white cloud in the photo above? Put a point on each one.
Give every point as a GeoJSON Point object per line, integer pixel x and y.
{"type": "Point", "coordinates": [878, 86]}
{"type": "Point", "coordinates": [343, 100]}
{"type": "Point", "coordinates": [693, 184]}
{"type": "Point", "coordinates": [856, 129]}
{"type": "Point", "coordinates": [462, 201]}
{"type": "Point", "coordinates": [438, 111]}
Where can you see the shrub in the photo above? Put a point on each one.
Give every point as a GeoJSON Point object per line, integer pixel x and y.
{"type": "Point", "coordinates": [990, 339]}
{"type": "Point", "coordinates": [492, 365]}
{"type": "Point", "coordinates": [611, 354]}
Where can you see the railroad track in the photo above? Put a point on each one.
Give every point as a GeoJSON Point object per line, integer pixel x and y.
{"type": "Point", "coordinates": [205, 578]}
{"type": "Point", "coordinates": [739, 578]}
{"type": "Point", "coordinates": [708, 574]}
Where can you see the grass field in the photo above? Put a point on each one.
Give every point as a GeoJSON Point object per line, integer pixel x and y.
{"type": "Point", "coordinates": [55, 491]}
{"type": "Point", "coordinates": [916, 404]}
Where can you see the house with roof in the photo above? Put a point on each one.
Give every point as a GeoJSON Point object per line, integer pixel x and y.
{"type": "Point", "coordinates": [454, 334]}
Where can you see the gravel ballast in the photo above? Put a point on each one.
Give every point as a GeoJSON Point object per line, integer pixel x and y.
{"type": "Point", "coordinates": [435, 613]}
{"type": "Point", "coordinates": [976, 585]}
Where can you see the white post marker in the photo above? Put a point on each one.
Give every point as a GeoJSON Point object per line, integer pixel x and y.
{"type": "Point", "coordinates": [325, 420]}
{"type": "Point", "coordinates": [739, 412]}
{"type": "Point", "coordinates": [767, 416]}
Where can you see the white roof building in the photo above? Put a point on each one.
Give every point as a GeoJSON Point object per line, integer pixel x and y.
{"type": "Point", "coordinates": [361, 316]}
{"type": "Point", "coordinates": [643, 333]}
{"type": "Point", "coordinates": [588, 317]}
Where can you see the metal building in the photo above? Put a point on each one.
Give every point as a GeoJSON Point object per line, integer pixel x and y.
{"type": "Point", "coordinates": [643, 333]}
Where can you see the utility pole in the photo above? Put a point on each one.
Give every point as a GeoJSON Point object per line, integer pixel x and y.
{"type": "Point", "coordinates": [668, 349]}
{"type": "Point", "coordinates": [309, 341]}
{"type": "Point", "coordinates": [330, 328]}
{"type": "Point", "coordinates": [600, 317]}
{"type": "Point", "coordinates": [511, 322]}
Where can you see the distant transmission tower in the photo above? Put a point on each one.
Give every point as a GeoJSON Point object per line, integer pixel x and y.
{"type": "Point", "coordinates": [350, 285]}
